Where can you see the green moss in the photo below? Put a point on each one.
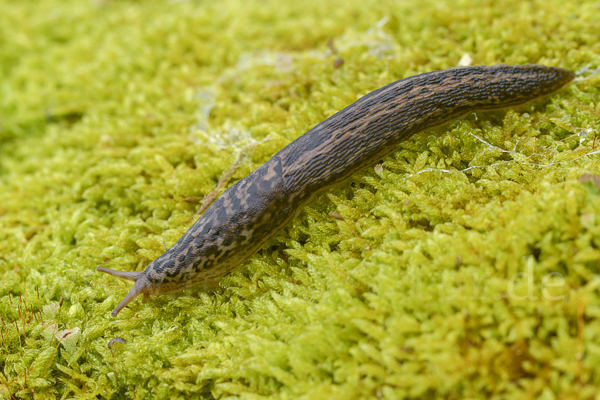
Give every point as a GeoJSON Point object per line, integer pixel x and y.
{"type": "Point", "coordinates": [465, 265]}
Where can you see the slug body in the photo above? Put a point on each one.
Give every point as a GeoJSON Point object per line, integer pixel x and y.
{"type": "Point", "coordinates": [260, 205]}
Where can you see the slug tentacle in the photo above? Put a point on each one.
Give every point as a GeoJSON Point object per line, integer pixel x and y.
{"type": "Point", "coordinates": [142, 286]}
{"type": "Point", "coordinates": [129, 275]}
{"type": "Point", "coordinates": [259, 206]}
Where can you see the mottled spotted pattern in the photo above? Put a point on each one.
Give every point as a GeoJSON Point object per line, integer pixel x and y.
{"type": "Point", "coordinates": [260, 205]}
{"type": "Point", "coordinates": [231, 230]}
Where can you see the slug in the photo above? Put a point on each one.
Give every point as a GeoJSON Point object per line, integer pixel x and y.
{"type": "Point", "coordinates": [257, 207]}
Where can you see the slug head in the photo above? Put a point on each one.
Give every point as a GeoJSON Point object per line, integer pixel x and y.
{"type": "Point", "coordinates": [142, 286]}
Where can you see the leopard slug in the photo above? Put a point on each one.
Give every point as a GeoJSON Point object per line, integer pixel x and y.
{"type": "Point", "coordinates": [257, 207]}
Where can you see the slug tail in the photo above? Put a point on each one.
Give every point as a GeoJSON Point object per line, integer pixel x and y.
{"type": "Point", "coordinates": [142, 286]}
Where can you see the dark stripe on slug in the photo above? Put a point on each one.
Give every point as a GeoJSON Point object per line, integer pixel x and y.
{"type": "Point", "coordinates": [260, 205]}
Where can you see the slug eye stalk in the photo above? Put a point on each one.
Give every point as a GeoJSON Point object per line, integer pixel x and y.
{"type": "Point", "coordinates": [142, 286]}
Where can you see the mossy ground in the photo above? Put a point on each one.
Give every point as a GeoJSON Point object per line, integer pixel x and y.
{"type": "Point", "coordinates": [466, 266]}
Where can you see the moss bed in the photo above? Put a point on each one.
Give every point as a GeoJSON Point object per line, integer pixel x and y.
{"type": "Point", "coordinates": [466, 265]}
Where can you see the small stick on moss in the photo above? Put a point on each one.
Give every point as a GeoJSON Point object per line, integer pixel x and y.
{"type": "Point", "coordinates": [2, 335]}
{"type": "Point", "coordinates": [37, 289]}
{"type": "Point", "coordinates": [23, 300]}
{"type": "Point", "coordinates": [25, 295]}
{"type": "Point", "coordinates": [211, 196]}
{"type": "Point", "coordinates": [18, 335]}
{"type": "Point", "coordinates": [339, 217]}
{"type": "Point", "coordinates": [331, 46]}
{"type": "Point", "coordinates": [155, 388]}
{"type": "Point", "coordinates": [3, 342]}
{"type": "Point", "coordinates": [5, 383]}
{"type": "Point", "coordinates": [339, 61]}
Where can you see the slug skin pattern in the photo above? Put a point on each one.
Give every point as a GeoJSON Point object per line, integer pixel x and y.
{"type": "Point", "coordinates": [257, 207]}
